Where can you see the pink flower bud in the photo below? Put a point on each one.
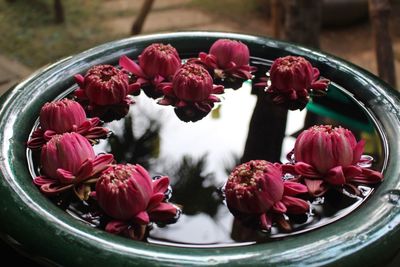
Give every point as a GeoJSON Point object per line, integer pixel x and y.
{"type": "Point", "coordinates": [230, 53]}
{"type": "Point", "coordinates": [191, 92]}
{"type": "Point", "coordinates": [256, 192]}
{"type": "Point", "coordinates": [292, 78]}
{"type": "Point", "coordinates": [254, 187]}
{"type": "Point", "coordinates": [64, 116]}
{"type": "Point", "coordinates": [127, 193]}
{"type": "Point", "coordinates": [61, 116]}
{"type": "Point", "coordinates": [328, 157]}
{"type": "Point", "coordinates": [104, 85]}
{"type": "Point", "coordinates": [123, 191]}
{"type": "Point", "coordinates": [159, 59]}
{"type": "Point", "coordinates": [67, 151]}
{"type": "Point", "coordinates": [67, 160]}
{"type": "Point", "coordinates": [227, 60]}
{"type": "Point", "coordinates": [192, 83]}
{"type": "Point", "coordinates": [325, 147]}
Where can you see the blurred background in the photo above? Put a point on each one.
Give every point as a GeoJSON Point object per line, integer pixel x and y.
{"type": "Point", "coordinates": [38, 32]}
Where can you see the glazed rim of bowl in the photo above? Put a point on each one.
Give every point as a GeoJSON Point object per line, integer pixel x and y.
{"type": "Point", "coordinates": [50, 235]}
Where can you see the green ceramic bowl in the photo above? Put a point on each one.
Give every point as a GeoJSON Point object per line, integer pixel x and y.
{"type": "Point", "coordinates": [368, 236]}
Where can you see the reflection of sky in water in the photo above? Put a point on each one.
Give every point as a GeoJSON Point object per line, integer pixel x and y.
{"type": "Point", "coordinates": [200, 228]}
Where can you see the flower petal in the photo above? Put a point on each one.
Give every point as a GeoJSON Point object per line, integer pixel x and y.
{"type": "Point", "coordinates": [80, 94]}
{"type": "Point", "coordinates": [41, 180]}
{"type": "Point", "coordinates": [351, 171]}
{"type": "Point", "coordinates": [368, 176]}
{"type": "Point", "coordinates": [134, 88]}
{"type": "Point", "coordinates": [218, 89]}
{"type": "Point", "coordinates": [79, 79]}
{"type": "Point", "coordinates": [142, 218]}
{"type": "Point", "coordinates": [306, 170]}
{"type": "Point", "coordinates": [65, 177]}
{"type": "Point", "coordinates": [85, 171]}
{"type": "Point", "coordinates": [155, 200]}
{"type": "Point", "coordinates": [279, 207]}
{"type": "Point", "coordinates": [358, 150]}
{"type": "Point", "coordinates": [47, 135]}
{"type": "Point", "coordinates": [292, 188]}
{"type": "Point", "coordinates": [161, 185]}
{"type": "Point", "coordinates": [163, 212]}
{"type": "Point", "coordinates": [101, 162]}
{"type": "Point", "coordinates": [116, 227]}
{"type": "Point", "coordinates": [335, 176]}
{"type": "Point", "coordinates": [36, 142]}
{"type": "Point", "coordinates": [52, 189]}
{"type": "Point", "coordinates": [295, 205]}
{"type": "Point", "coordinates": [316, 187]}
{"type": "Point", "coordinates": [130, 65]}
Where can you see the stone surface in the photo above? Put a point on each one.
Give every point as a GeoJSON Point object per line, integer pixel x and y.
{"type": "Point", "coordinates": [11, 72]}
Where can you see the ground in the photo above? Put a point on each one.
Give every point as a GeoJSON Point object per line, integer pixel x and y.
{"type": "Point", "coordinates": [33, 40]}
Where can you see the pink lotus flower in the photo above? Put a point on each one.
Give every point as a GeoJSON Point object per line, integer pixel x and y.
{"type": "Point", "coordinates": [103, 89]}
{"type": "Point", "coordinates": [256, 189]}
{"type": "Point", "coordinates": [64, 116]}
{"type": "Point", "coordinates": [191, 88]}
{"type": "Point", "coordinates": [128, 195]}
{"type": "Point", "coordinates": [104, 85]}
{"type": "Point", "coordinates": [328, 156]}
{"type": "Point", "coordinates": [157, 63]}
{"type": "Point", "coordinates": [227, 59]}
{"type": "Point", "coordinates": [68, 160]}
{"type": "Point", "coordinates": [292, 79]}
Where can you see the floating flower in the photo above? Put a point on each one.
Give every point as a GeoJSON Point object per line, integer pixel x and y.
{"type": "Point", "coordinates": [128, 195]}
{"type": "Point", "coordinates": [255, 190]}
{"type": "Point", "coordinates": [191, 89]}
{"type": "Point", "coordinates": [64, 116]}
{"type": "Point", "coordinates": [328, 156]}
{"type": "Point", "coordinates": [292, 80]}
{"type": "Point", "coordinates": [67, 161]}
{"type": "Point", "coordinates": [157, 63]}
{"type": "Point", "coordinates": [227, 59]}
{"type": "Point", "coordinates": [104, 91]}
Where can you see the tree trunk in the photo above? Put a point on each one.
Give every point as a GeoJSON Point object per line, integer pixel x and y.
{"type": "Point", "coordinates": [303, 26]}
{"type": "Point", "coordinates": [303, 21]}
{"type": "Point", "coordinates": [59, 16]}
{"type": "Point", "coordinates": [379, 11]}
{"type": "Point", "coordinates": [144, 11]}
{"type": "Point", "coordinates": [266, 130]}
{"type": "Point", "coordinates": [277, 18]}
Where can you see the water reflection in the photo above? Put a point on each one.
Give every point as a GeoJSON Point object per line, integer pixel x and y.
{"type": "Point", "coordinates": [195, 189]}
{"type": "Point", "coordinates": [136, 149]}
{"type": "Point", "coordinates": [266, 130]}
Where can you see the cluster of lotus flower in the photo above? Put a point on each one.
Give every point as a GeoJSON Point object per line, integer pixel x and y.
{"type": "Point", "coordinates": [324, 156]}
{"type": "Point", "coordinates": [125, 192]}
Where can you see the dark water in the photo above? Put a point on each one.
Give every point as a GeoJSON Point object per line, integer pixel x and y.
{"type": "Point", "coordinates": [198, 158]}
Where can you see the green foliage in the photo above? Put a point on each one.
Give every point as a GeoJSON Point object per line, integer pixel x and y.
{"type": "Point", "coordinates": [29, 34]}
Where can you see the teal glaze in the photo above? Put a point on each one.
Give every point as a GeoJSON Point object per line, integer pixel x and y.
{"type": "Point", "coordinates": [367, 237]}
